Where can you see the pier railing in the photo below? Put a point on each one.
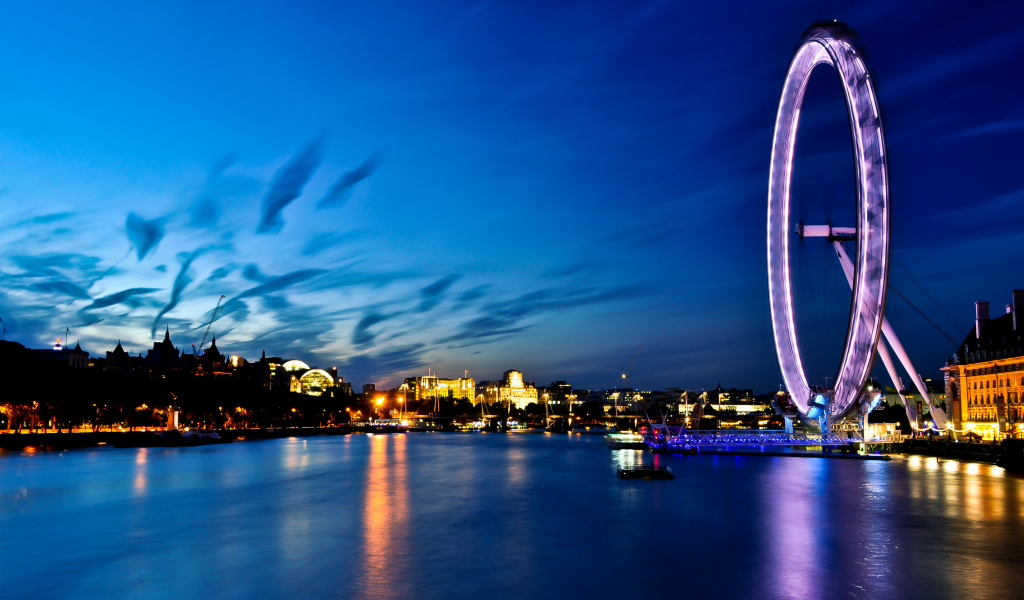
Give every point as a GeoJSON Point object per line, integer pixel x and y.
{"type": "Point", "coordinates": [697, 438]}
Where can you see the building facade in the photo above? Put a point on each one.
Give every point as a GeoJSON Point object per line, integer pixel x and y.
{"type": "Point", "coordinates": [985, 379]}
{"type": "Point", "coordinates": [432, 387]}
{"type": "Point", "coordinates": [513, 391]}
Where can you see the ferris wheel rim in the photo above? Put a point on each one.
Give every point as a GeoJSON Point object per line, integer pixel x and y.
{"type": "Point", "coordinates": [833, 45]}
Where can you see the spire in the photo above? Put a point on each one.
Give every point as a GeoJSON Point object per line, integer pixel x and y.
{"type": "Point", "coordinates": [264, 355]}
{"type": "Point", "coordinates": [167, 334]}
{"type": "Point", "coordinates": [78, 345]}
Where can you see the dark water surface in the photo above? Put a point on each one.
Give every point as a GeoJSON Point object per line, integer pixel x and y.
{"type": "Point", "coordinates": [524, 515]}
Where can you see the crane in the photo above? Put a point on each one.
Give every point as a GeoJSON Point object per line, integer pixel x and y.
{"type": "Point", "coordinates": [212, 317]}
{"type": "Point", "coordinates": [625, 376]}
{"type": "Point", "coordinates": [625, 371]}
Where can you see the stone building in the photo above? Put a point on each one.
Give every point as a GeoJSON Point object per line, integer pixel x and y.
{"type": "Point", "coordinates": [985, 379]}
{"type": "Point", "coordinates": [511, 390]}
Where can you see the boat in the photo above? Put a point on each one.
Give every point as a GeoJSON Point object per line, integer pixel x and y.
{"type": "Point", "coordinates": [646, 472]}
{"type": "Point", "coordinates": [625, 440]}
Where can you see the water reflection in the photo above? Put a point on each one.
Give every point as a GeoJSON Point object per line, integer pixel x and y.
{"type": "Point", "coordinates": [793, 522]}
{"type": "Point", "coordinates": [385, 518]}
{"type": "Point", "coordinates": [623, 459]}
{"type": "Point", "coordinates": [140, 471]}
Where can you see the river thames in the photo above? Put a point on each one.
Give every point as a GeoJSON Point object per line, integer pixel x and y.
{"type": "Point", "coordinates": [524, 515]}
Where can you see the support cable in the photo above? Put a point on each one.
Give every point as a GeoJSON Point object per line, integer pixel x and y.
{"type": "Point", "coordinates": [924, 316]}
{"type": "Point", "coordinates": [912, 278]}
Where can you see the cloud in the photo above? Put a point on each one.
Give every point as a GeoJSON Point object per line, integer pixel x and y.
{"type": "Point", "coordinates": [342, 188]}
{"type": "Point", "coordinates": [144, 235]}
{"type": "Point", "coordinates": [379, 366]}
{"type": "Point", "coordinates": [330, 239]}
{"type": "Point", "coordinates": [62, 287]}
{"type": "Point", "coordinates": [276, 303]}
{"type": "Point", "coordinates": [127, 297]}
{"type": "Point", "coordinates": [996, 127]}
{"type": "Point", "coordinates": [433, 293]}
{"type": "Point", "coordinates": [56, 265]}
{"type": "Point", "coordinates": [180, 283]}
{"type": "Point", "coordinates": [567, 270]}
{"type": "Point", "coordinates": [287, 186]}
{"type": "Point", "coordinates": [361, 335]}
{"type": "Point", "coordinates": [506, 318]}
{"type": "Point", "coordinates": [472, 295]}
{"type": "Point", "coordinates": [276, 284]}
{"type": "Point", "coordinates": [252, 273]}
{"type": "Point", "coordinates": [204, 212]}
{"type": "Point", "coordinates": [235, 307]}
{"type": "Point", "coordinates": [51, 217]}
{"type": "Point", "coordinates": [220, 273]}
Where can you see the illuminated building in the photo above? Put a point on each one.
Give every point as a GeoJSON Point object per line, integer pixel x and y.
{"type": "Point", "coordinates": [984, 378]}
{"type": "Point", "coordinates": [511, 390]}
{"type": "Point", "coordinates": [432, 387]}
{"type": "Point", "coordinates": [312, 382]}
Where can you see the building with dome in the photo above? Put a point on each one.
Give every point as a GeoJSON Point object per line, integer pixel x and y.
{"type": "Point", "coordinates": [304, 380]}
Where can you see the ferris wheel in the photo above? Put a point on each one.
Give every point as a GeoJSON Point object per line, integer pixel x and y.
{"type": "Point", "coordinates": [867, 271]}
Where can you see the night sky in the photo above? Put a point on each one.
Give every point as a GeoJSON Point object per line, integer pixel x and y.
{"type": "Point", "coordinates": [386, 187]}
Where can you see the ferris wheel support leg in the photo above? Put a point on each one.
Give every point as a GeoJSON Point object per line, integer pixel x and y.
{"type": "Point", "coordinates": [883, 353]}
{"type": "Point", "coordinates": [937, 413]}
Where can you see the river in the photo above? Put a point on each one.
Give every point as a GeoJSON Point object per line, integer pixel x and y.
{"type": "Point", "coordinates": [478, 515]}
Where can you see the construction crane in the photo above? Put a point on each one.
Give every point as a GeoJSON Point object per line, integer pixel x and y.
{"type": "Point", "coordinates": [625, 371]}
{"type": "Point", "coordinates": [212, 317]}
{"type": "Point", "coordinates": [625, 377]}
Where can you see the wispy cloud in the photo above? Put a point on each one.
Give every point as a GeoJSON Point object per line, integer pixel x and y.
{"type": "Point", "coordinates": [129, 297]}
{"type": "Point", "coordinates": [287, 186]}
{"type": "Point", "coordinates": [433, 293]}
{"type": "Point", "coordinates": [362, 337]}
{"type": "Point", "coordinates": [180, 283]}
{"type": "Point", "coordinates": [1006, 125]}
{"type": "Point", "coordinates": [276, 284]}
{"type": "Point", "coordinates": [342, 188]}
{"type": "Point", "coordinates": [144, 235]}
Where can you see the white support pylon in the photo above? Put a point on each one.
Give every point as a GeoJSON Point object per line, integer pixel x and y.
{"type": "Point", "coordinates": [937, 414]}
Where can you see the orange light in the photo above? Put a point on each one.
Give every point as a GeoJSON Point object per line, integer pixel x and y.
{"type": "Point", "coordinates": [293, 410]}
{"type": "Point", "coordinates": [380, 401]}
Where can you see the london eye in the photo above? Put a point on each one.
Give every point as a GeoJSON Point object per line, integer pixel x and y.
{"type": "Point", "coordinates": [867, 271]}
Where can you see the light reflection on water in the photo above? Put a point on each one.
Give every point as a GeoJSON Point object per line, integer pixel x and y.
{"type": "Point", "coordinates": [503, 516]}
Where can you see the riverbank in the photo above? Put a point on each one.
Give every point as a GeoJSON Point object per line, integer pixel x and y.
{"type": "Point", "coordinates": [67, 441]}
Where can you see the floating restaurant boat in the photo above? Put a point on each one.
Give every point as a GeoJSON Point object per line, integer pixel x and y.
{"type": "Point", "coordinates": [645, 472]}
{"type": "Point", "coordinates": [383, 426]}
{"type": "Point", "coordinates": [625, 440]}
{"type": "Point", "coordinates": [193, 437]}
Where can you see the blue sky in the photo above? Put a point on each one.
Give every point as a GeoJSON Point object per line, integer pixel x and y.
{"type": "Point", "coordinates": [386, 187]}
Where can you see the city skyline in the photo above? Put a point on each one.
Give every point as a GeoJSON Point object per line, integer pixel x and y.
{"type": "Point", "coordinates": [476, 187]}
